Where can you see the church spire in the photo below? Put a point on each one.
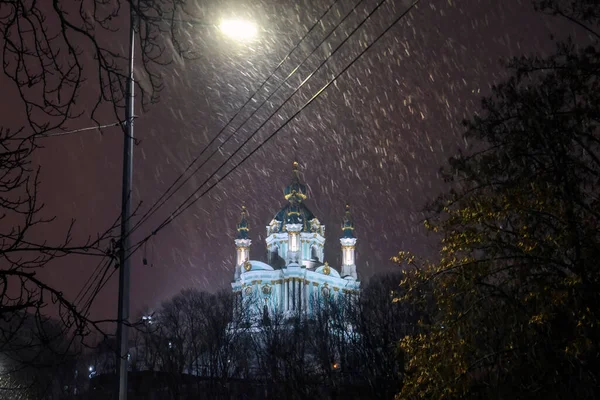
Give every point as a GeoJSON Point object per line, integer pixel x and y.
{"type": "Point", "coordinates": [242, 244]}
{"type": "Point", "coordinates": [295, 191]}
{"type": "Point", "coordinates": [348, 224]}
{"type": "Point", "coordinates": [243, 227]}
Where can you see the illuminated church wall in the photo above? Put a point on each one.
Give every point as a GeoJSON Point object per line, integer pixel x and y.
{"type": "Point", "coordinates": [296, 275]}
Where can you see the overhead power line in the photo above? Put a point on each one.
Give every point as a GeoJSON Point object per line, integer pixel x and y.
{"type": "Point", "coordinates": [106, 280]}
{"type": "Point", "coordinates": [99, 286]}
{"type": "Point", "coordinates": [167, 194]}
{"type": "Point", "coordinates": [90, 128]}
{"type": "Point", "coordinates": [99, 271]}
{"type": "Point", "coordinates": [64, 133]}
{"type": "Point", "coordinates": [304, 81]}
{"type": "Point", "coordinates": [182, 208]}
{"type": "Point", "coordinates": [83, 292]}
{"type": "Point", "coordinates": [96, 285]}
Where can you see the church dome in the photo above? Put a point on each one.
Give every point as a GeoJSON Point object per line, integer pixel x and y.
{"type": "Point", "coordinates": [295, 212]}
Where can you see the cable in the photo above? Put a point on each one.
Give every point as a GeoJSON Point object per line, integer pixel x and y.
{"type": "Point", "coordinates": [109, 253]}
{"type": "Point", "coordinates": [53, 134]}
{"type": "Point", "coordinates": [152, 209]}
{"type": "Point", "coordinates": [97, 127]}
{"type": "Point", "coordinates": [381, 2]}
{"type": "Point", "coordinates": [180, 210]}
{"type": "Point", "coordinates": [149, 214]}
{"type": "Point", "coordinates": [81, 297]}
{"type": "Point", "coordinates": [83, 288]}
{"type": "Point", "coordinates": [101, 286]}
{"type": "Point", "coordinates": [155, 206]}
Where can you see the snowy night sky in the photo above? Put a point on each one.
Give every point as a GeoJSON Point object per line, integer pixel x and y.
{"type": "Point", "coordinates": [376, 139]}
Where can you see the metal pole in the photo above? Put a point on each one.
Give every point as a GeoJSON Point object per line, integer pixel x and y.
{"type": "Point", "coordinates": [123, 315]}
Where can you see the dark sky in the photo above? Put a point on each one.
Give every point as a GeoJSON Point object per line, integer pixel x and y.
{"type": "Point", "coordinates": [375, 140]}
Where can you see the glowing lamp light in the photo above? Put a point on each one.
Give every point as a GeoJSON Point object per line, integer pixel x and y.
{"type": "Point", "coordinates": [238, 29]}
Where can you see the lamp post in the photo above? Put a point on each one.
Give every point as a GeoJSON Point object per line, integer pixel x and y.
{"type": "Point", "coordinates": [238, 29]}
{"type": "Point", "coordinates": [124, 259]}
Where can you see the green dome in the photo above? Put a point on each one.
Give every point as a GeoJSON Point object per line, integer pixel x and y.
{"type": "Point", "coordinates": [295, 213]}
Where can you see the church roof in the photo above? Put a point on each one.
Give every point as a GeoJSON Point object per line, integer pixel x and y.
{"type": "Point", "coordinates": [327, 270]}
{"type": "Point", "coordinates": [295, 212]}
{"type": "Point", "coordinates": [254, 265]}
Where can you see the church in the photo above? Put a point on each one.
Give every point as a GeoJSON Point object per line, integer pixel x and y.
{"type": "Point", "coordinates": [296, 276]}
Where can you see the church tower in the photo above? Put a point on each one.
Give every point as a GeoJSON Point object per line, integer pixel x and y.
{"type": "Point", "coordinates": [295, 237]}
{"type": "Point", "coordinates": [348, 242]}
{"type": "Point", "coordinates": [242, 244]}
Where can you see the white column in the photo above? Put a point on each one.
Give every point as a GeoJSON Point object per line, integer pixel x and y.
{"type": "Point", "coordinates": [348, 262]}
{"type": "Point", "coordinates": [243, 250]}
{"type": "Point", "coordinates": [293, 242]}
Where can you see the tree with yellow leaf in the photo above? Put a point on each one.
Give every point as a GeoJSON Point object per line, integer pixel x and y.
{"type": "Point", "coordinates": [512, 303]}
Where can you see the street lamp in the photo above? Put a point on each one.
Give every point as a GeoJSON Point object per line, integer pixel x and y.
{"type": "Point", "coordinates": [238, 29]}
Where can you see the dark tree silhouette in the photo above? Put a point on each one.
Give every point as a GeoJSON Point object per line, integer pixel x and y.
{"type": "Point", "coordinates": [55, 50]}
{"type": "Point", "coordinates": [26, 300]}
{"type": "Point", "coordinates": [514, 294]}
{"type": "Point", "coordinates": [65, 61]}
{"type": "Point", "coordinates": [195, 345]}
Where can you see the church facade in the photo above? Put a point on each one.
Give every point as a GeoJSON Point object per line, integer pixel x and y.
{"type": "Point", "coordinates": [296, 276]}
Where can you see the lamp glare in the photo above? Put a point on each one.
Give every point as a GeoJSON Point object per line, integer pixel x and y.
{"type": "Point", "coordinates": [238, 29]}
